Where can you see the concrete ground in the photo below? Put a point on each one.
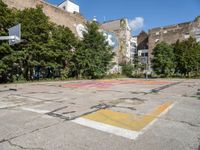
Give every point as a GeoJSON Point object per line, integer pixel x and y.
{"type": "Point", "coordinates": [120, 114]}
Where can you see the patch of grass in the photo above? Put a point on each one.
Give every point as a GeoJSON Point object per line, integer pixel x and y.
{"type": "Point", "coordinates": [115, 102]}
{"type": "Point", "coordinates": [114, 76]}
{"type": "Point", "coordinates": [197, 97]}
{"type": "Point", "coordinates": [42, 80]}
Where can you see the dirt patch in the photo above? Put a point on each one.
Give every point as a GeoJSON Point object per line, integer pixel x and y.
{"type": "Point", "coordinates": [131, 101]}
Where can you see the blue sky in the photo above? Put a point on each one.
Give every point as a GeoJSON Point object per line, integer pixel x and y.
{"type": "Point", "coordinates": [143, 14]}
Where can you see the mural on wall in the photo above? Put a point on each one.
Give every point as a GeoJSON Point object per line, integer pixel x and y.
{"type": "Point", "coordinates": [123, 23]}
{"type": "Point", "coordinates": [198, 35]}
{"type": "Point", "coordinates": [196, 29]}
{"type": "Point", "coordinates": [198, 38]}
{"type": "Point", "coordinates": [80, 29]}
{"type": "Point", "coordinates": [119, 41]}
{"type": "Point", "coordinates": [122, 51]}
{"type": "Point", "coordinates": [196, 32]}
{"type": "Point", "coordinates": [112, 39]}
{"type": "Point", "coordinates": [122, 42]}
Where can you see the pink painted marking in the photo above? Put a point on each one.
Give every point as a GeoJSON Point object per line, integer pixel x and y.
{"type": "Point", "coordinates": [109, 83]}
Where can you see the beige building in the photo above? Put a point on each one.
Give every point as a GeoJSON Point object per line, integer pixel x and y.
{"type": "Point", "coordinates": [120, 28]}
{"type": "Point", "coordinates": [70, 17]}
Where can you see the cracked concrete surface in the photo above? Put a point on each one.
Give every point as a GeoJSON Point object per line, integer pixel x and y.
{"type": "Point", "coordinates": [21, 147]}
{"type": "Point", "coordinates": [38, 115]}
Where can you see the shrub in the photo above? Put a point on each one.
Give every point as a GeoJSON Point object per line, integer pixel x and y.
{"type": "Point", "coordinates": [127, 70]}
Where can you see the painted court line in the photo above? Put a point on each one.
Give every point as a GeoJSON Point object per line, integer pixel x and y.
{"type": "Point", "coordinates": [126, 120]}
{"type": "Point", "coordinates": [156, 119]}
{"type": "Point", "coordinates": [109, 83]}
{"type": "Point", "coordinates": [107, 128]}
{"type": "Point", "coordinates": [116, 123]}
{"type": "Point", "coordinates": [35, 110]}
{"type": "Point", "coordinates": [126, 125]}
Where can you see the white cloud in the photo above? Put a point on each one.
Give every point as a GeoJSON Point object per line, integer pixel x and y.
{"type": "Point", "coordinates": [136, 23]}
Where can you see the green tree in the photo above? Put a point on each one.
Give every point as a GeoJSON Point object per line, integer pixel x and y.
{"type": "Point", "coordinates": [35, 29]}
{"type": "Point", "coordinates": [127, 69]}
{"type": "Point", "coordinates": [163, 60]}
{"type": "Point", "coordinates": [59, 49]}
{"type": "Point", "coordinates": [93, 54]}
{"type": "Point", "coordinates": [6, 21]}
{"type": "Point", "coordinates": [187, 57]}
{"type": "Point", "coordinates": [49, 45]}
{"type": "Point", "coordinates": [6, 18]}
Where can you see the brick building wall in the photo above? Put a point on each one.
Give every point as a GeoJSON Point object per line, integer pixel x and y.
{"type": "Point", "coordinates": [170, 34]}
{"type": "Point", "coordinates": [55, 14]}
{"type": "Point", "coordinates": [142, 41]}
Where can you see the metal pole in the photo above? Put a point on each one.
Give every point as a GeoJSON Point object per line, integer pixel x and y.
{"type": "Point", "coordinates": [147, 69]}
{"type": "Point", "coordinates": [9, 38]}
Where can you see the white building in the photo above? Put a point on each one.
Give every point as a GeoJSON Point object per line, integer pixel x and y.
{"type": "Point", "coordinates": [133, 48]}
{"type": "Point", "coordinates": [69, 6]}
{"type": "Point", "coordinates": [143, 55]}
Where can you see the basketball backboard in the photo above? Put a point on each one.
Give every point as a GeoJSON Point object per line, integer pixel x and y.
{"type": "Point", "coordinates": [15, 33]}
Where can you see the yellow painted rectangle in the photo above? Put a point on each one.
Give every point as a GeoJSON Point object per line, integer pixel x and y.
{"type": "Point", "coordinates": [127, 121]}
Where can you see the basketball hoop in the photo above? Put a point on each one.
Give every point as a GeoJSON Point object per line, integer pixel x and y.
{"type": "Point", "coordinates": [14, 35]}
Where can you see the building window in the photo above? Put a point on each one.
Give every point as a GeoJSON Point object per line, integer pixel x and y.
{"type": "Point", "coordinates": [143, 55]}
{"type": "Point", "coordinates": [64, 7]}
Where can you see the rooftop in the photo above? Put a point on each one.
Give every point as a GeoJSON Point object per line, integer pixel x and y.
{"type": "Point", "coordinates": [65, 1]}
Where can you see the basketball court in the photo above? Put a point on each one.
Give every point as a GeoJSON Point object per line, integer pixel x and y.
{"type": "Point", "coordinates": [100, 114]}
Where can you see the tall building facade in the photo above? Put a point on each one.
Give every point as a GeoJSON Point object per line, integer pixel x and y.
{"type": "Point", "coordinates": [120, 28]}
{"type": "Point", "coordinates": [142, 47]}
{"type": "Point", "coordinates": [133, 47]}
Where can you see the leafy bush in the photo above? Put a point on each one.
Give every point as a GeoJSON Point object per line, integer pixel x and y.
{"type": "Point", "coordinates": [127, 70]}
{"type": "Point", "coordinates": [163, 60]}
{"type": "Point", "coordinates": [48, 45]}
{"type": "Point", "coordinates": [187, 57]}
